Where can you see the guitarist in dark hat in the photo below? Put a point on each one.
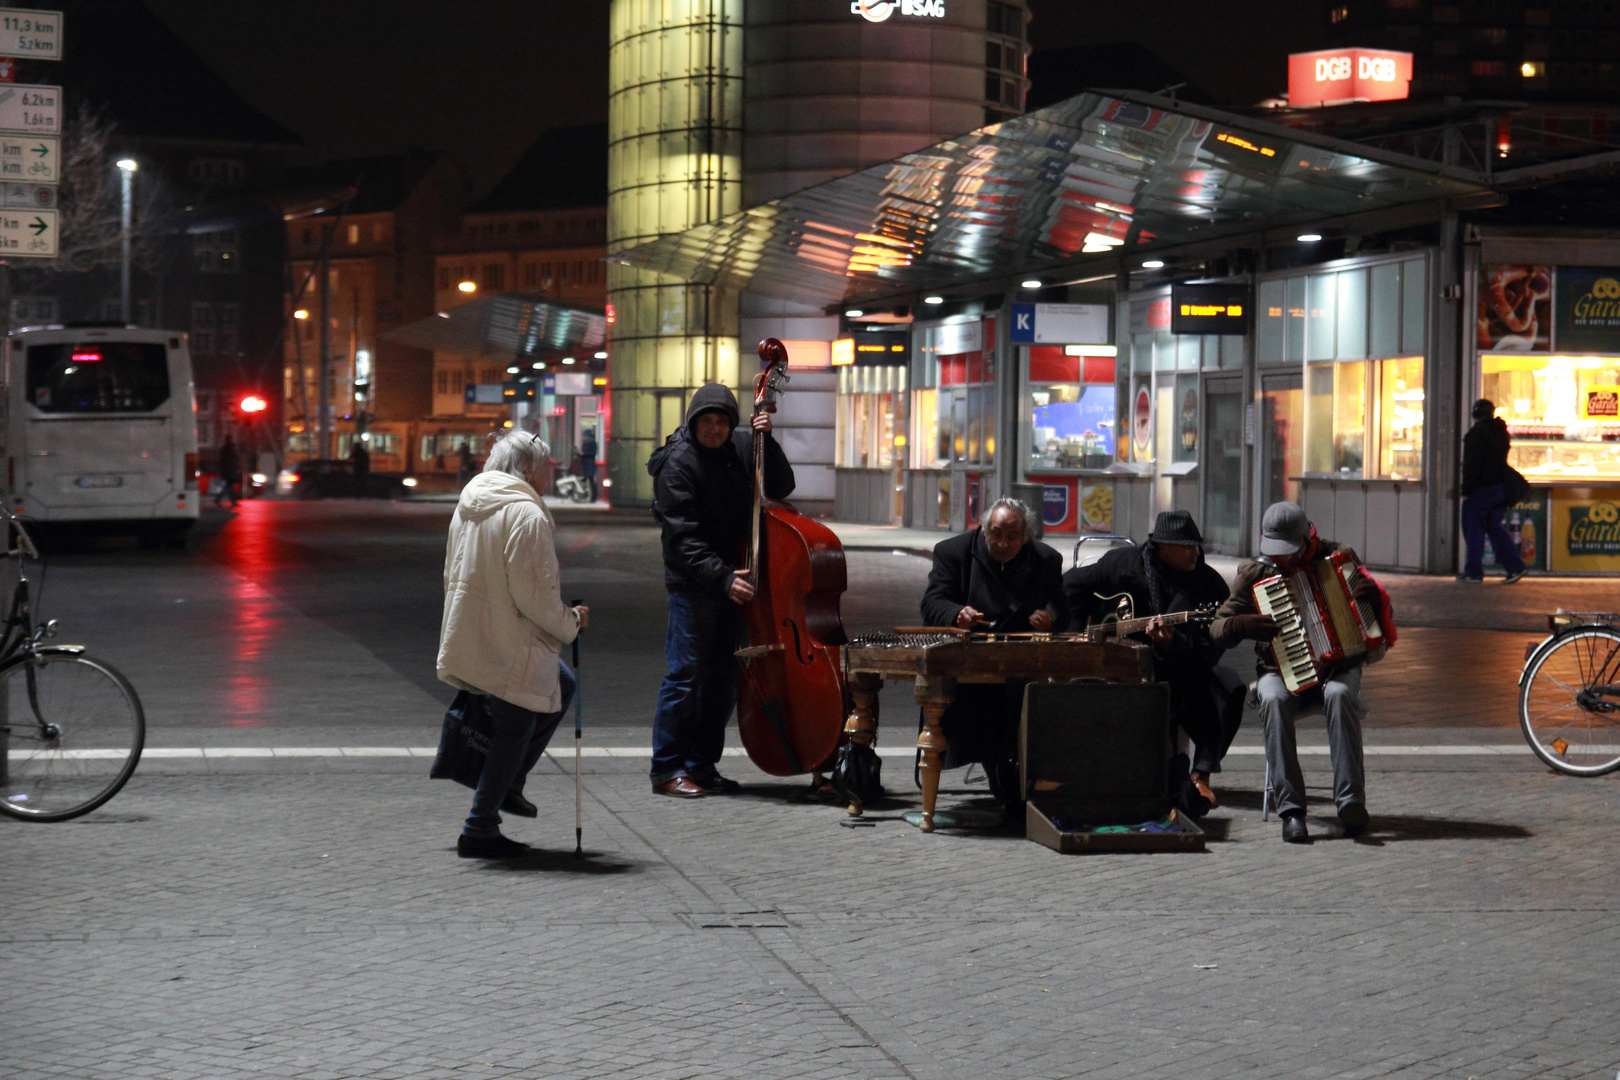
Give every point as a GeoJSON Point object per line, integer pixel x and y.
{"type": "Point", "coordinates": [1165, 576]}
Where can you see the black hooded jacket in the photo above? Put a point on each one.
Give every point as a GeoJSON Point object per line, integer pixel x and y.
{"type": "Point", "coordinates": [1485, 454]}
{"type": "Point", "coordinates": [703, 498]}
{"type": "Point", "coordinates": [965, 575]}
{"type": "Point", "coordinates": [1094, 592]}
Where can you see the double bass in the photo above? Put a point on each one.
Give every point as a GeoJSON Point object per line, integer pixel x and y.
{"type": "Point", "coordinates": [790, 698]}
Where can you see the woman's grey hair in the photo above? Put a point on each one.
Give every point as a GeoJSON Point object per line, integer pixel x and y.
{"type": "Point", "coordinates": [518, 453]}
{"type": "Point", "coordinates": [1007, 502]}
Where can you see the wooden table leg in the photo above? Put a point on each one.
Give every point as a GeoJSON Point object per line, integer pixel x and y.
{"type": "Point", "coordinates": [862, 725]}
{"type": "Point", "coordinates": [934, 695]}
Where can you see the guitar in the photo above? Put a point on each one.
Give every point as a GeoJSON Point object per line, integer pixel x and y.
{"type": "Point", "coordinates": [1197, 617]}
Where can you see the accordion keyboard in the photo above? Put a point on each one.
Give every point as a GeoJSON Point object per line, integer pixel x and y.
{"type": "Point", "coordinates": [1298, 628]}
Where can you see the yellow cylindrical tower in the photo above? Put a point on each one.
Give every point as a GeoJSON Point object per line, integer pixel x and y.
{"type": "Point", "coordinates": [675, 117]}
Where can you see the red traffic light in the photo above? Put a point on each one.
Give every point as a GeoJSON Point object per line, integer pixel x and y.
{"type": "Point", "coordinates": [253, 403]}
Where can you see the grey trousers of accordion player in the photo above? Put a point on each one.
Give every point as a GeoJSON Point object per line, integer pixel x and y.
{"type": "Point", "coordinates": [1339, 700]}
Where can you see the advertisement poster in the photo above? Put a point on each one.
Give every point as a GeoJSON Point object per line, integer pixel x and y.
{"type": "Point", "coordinates": [1142, 425]}
{"type": "Point", "coordinates": [1588, 309]}
{"type": "Point", "coordinates": [1526, 522]}
{"type": "Point", "coordinates": [1585, 529]}
{"type": "Point", "coordinates": [1077, 434]}
{"type": "Point", "coordinates": [1515, 308]}
{"type": "Point", "coordinates": [1056, 500]}
{"type": "Point", "coordinates": [1097, 508]}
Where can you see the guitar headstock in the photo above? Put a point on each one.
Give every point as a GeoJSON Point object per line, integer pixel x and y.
{"type": "Point", "coordinates": [773, 356]}
{"type": "Point", "coordinates": [1202, 615]}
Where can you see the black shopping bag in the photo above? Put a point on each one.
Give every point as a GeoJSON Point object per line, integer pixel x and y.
{"type": "Point", "coordinates": [464, 740]}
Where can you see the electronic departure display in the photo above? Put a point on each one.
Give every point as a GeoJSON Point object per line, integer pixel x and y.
{"type": "Point", "coordinates": [1210, 309]}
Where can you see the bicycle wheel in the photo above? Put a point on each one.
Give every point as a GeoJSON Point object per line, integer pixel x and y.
{"type": "Point", "coordinates": [70, 736]}
{"type": "Point", "coordinates": [1569, 703]}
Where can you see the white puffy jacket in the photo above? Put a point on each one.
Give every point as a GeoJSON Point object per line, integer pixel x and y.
{"type": "Point", "coordinates": [504, 618]}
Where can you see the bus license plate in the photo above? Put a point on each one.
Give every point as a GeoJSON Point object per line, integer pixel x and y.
{"type": "Point", "coordinates": [101, 481]}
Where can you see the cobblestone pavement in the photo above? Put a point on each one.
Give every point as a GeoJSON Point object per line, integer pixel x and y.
{"type": "Point", "coordinates": [307, 917]}
{"type": "Point", "coordinates": [312, 920]}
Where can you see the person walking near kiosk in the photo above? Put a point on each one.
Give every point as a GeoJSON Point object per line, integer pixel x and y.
{"type": "Point", "coordinates": [503, 630]}
{"type": "Point", "coordinates": [703, 501]}
{"type": "Point", "coordinates": [1489, 486]}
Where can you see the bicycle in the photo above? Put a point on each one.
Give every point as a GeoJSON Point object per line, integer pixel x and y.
{"type": "Point", "coordinates": [1569, 693]}
{"type": "Point", "coordinates": [71, 726]}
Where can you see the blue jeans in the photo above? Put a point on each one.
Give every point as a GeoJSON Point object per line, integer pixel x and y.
{"type": "Point", "coordinates": [1481, 517]}
{"type": "Point", "coordinates": [700, 689]}
{"type": "Point", "coordinates": [518, 737]}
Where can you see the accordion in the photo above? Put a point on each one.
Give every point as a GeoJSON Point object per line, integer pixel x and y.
{"type": "Point", "coordinates": [1319, 622]}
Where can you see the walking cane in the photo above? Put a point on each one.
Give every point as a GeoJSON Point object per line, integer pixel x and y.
{"type": "Point", "coordinates": [579, 852]}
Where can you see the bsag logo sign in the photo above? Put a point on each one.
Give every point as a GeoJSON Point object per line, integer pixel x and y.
{"type": "Point", "coordinates": [880, 10]}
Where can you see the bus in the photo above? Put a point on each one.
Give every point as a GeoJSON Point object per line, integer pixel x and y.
{"type": "Point", "coordinates": [100, 430]}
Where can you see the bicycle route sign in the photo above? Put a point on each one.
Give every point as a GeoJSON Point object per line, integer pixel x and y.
{"type": "Point", "coordinates": [31, 110]}
{"type": "Point", "coordinates": [25, 160]}
{"type": "Point", "coordinates": [30, 34]}
{"type": "Point", "coordinates": [28, 233]}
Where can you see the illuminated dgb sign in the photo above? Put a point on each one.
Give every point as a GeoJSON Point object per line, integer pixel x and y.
{"type": "Point", "coordinates": [1340, 76]}
{"type": "Point", "coordinates": [880, 10]}
{"type": "Point", "coordinates": [1209, 309]}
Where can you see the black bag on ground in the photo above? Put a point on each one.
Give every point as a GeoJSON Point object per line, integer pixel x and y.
{"type": "Point", "coordinates": [463, 741]}
{"type": "Point", "coordinates": [1514, 487]}
{"type": "Point", "coordinates": [855, 774]}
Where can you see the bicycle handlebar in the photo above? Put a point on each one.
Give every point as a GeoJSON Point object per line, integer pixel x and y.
{"type": "Point", "coordinates": [25, 543]}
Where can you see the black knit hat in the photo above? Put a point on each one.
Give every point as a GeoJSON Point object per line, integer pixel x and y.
{"type": "Point", "coordinates": [1175, 527]}
{"type": "Point", "coordinates": [1483, 409]}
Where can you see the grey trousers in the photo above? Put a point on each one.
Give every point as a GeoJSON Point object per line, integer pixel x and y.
{"type": "Point", "coordinates": [1340, 701]}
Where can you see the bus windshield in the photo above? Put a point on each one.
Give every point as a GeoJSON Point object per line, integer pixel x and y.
{"type": "Point", "coordinates": [99, 377]}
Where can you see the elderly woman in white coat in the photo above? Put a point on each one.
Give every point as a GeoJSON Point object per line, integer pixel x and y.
{"type": "Point", "coordinates": [504, 627]}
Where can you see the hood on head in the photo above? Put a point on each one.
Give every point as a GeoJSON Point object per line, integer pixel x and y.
{"type": "Point", "coordinates": [712, 397]}
{"type": "Point", "coordinates": [491, 491]}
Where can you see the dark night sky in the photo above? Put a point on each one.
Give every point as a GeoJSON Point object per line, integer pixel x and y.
{"type": "Point", "coordinates": [481, 78]}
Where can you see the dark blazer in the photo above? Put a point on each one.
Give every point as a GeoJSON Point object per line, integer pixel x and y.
{"type": "Point", "coordinates": [964, 575]}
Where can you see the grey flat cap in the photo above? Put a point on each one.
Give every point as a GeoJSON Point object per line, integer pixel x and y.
{"type": "Point", "coordinates": [1283, 530]}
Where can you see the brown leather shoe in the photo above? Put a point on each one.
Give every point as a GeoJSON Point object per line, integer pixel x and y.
{"type": "Point", "coordinates": [1201, 782]}
{"type": "Point", "coordinates": [679, 788]}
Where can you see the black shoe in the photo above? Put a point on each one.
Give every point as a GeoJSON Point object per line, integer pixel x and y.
{"type": "Point", "coordinates": [491, 847]}
{"type": "Point", "coordinates": [1511, 578]}
{"type": "Point", "coordinates": [1354, 817]}
{"type": "Point", "coordinates": [1294, 831]}
{"type": "Point", "coordinates": [516, 805]}
{"type": "Point", "coordinates": [713, 783]}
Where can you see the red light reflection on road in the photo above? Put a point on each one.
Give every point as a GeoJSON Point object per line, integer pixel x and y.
{"type": "Point", "coordinates": [246, 547]}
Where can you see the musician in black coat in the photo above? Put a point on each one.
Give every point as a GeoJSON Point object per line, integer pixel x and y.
{"type": "Point", "coordinates": [1168, 574]}
{"type": "Point", "coordinates": [997, 579]}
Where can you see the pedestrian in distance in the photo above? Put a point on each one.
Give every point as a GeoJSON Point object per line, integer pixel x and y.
{"type": "Point", "coordinates": [587, 461]}
{"type": "Point", "coordinates": [1489, 486]}
{"type": "Point", "coordinates": [504, 627]}
{"type": "Point", "coordinates": [230, 473]}
{"type": "Point", "coordinates": [703, 501]}
{"type": "Point", "coordinates": [360, 461]}
{"type": "Point", "coordinates": [465, 471]}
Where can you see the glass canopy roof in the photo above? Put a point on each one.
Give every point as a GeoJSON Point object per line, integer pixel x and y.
{"type": "Point", "coordinates": [1094, 175]}
{"type": "Point", "coordinates": [509, 325]}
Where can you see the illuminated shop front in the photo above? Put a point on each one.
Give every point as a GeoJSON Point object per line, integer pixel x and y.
{"type": "Point", "coordinates": [1547, 351]}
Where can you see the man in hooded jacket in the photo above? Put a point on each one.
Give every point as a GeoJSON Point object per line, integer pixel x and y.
{"type": "Point", "coordinates": [703, 500]}
{"type": "Point", "coordinates": [1485, 477]}
{"type": "Point", "coordinates": [1166, 575]}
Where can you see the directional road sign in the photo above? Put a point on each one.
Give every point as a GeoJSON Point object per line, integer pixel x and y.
{"type": "Point", "coordinates": [28, 234]}
{"type": "Point", "coordinates": [31, 110]}
{"type": "Point", "coordinates": [36, 35]}
{"type": "Point", "coordinates": [36, 160]}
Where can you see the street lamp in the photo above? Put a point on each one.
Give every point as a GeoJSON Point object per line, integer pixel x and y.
{"type": "Point", "coordinates": [126, 170]}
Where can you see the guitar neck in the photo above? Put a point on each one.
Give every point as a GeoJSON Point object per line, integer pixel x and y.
{"type": "Point", "coordinates": [1134, 626]}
